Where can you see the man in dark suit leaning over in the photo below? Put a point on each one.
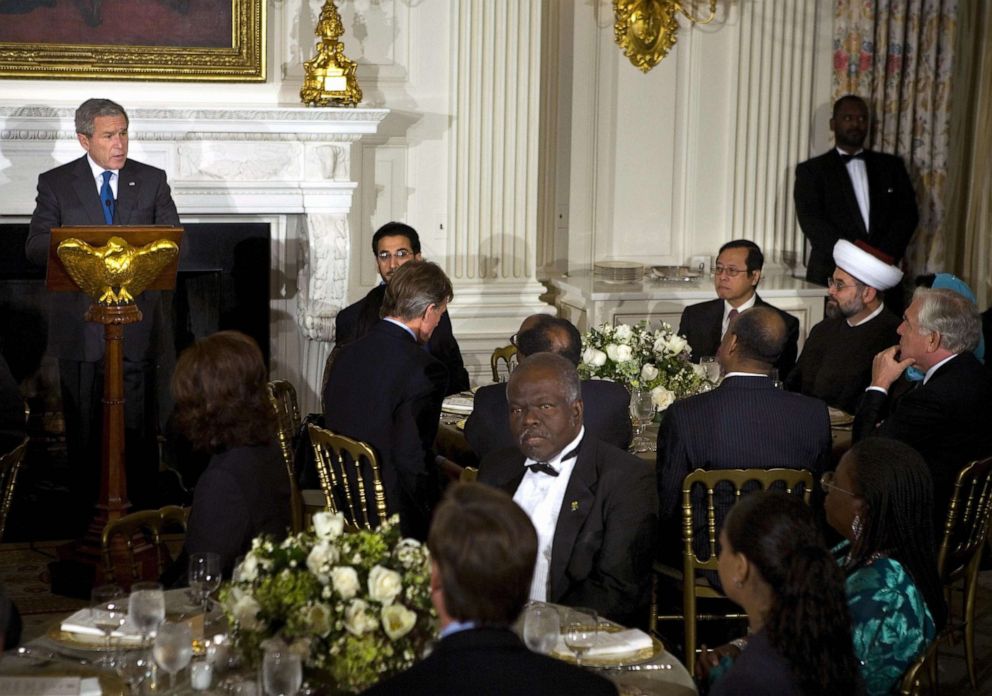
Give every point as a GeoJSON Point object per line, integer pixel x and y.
{"type": "Point", "coordinates": [594, 506]}
{"type": "Point", "coordinates": [386, 390]}
{"type": "Point", "coordinates": [482, 559]}
{"type": "Point", "coordinates": [606, 413]}
{"type": "Point", "coordinates": [745, 423]}
{"type": "Point", "coordinates": [948, 417]}
{"type": "Point", "coordinates": [393, 245]}
{"type": "Point", "coordinates": [852, 193]}
{"type": "Point", "coordinates": [735, 276]}
{"type": "Point", "coordinates": [103, 187]}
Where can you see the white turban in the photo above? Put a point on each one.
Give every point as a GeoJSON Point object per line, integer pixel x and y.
{"type": "Point", "coordinates": [866, 266]}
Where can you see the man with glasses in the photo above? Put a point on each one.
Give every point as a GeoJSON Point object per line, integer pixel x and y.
{"type": "Point", "coordinates": [948, 417]}
{"type": "Point", "coordinates": [394, 244]}
{"type": "Point", "coordinates": [835, 364]}
{"type": "Point", "coordinates": [735, 276]}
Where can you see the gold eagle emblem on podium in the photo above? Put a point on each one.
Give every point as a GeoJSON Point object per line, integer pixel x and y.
{"type": "Point", "coordinates": [116, 273]}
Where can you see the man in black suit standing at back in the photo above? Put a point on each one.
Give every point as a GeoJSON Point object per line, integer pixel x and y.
{"type": "Point", "coordinates": [854, 194]}
{"type": "Point", "coordinates": [735, 276]}
{"type": "Point", "coordinates": [103, 187]}
{"type": "Point", "coordinates": [606, 412]}
{"type": "Point", "coordinates": [386, 390]}
{"type": "Point", "coordinates": [394, 244]}
{"type": "Point", "coordinates": [483, 549]}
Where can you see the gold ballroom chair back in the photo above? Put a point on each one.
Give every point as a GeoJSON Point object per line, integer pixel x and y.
{"type": "Point", "coordinates": [921, 676]}
{"type": "Point", "coordinates": [965, 534]}
{"type": "Point", "coordinates": [508, 354]}
{"type": "Point", "coordinates": [282, 395]}
{"type": "Point", "coordinates": [147, 527]}
{"type": "Point", "coordinates": [694, 587]}
{"type": "Point", "coordinates": [10, 465]}
{"type": "Point", "coordinates": [349, 475]}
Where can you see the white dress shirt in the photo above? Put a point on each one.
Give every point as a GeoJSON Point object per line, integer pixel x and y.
{"type": "Point", "coordinates": [98, 176]}
{"type": "Point", "coordinates": [540, 496]}
{"type": "Point", "coordinates": [727, 307]}
{"type": "Point", "coordinates": [859, 180]}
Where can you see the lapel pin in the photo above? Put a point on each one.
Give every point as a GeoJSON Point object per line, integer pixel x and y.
{"type": "Point", "coordinates": [575, 505]}
{"type": "Point", "coordinates": [130, 183]}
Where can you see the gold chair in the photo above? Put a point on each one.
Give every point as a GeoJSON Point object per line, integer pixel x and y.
{"type": "Point", "coordinates": [349, 475]}
{"type": "Point", "coordinates": [921, 676]}
{"type": "Point", "coordinates": [469, 475]}
{"type": "Point", "coordinates": [282, 395]}
{"type": "Point", "coordinates": [146, 526]}
{"type": "Point", "coordinates": [508, 354]}
{"type": "Point", "coordinates": [694, 587]}
{"type": "Point", "coordinates": [10, 465]}
{"type": "Point", "coordinates": [965, 533]}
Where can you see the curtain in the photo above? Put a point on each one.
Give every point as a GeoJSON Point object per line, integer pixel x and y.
{"type": "Point", "coordinates": [898, 55]}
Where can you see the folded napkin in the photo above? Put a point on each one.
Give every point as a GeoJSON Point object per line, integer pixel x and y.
{"type": "Point", "coordinates": [83, 623]}
{"type": "Point", "coordinates": [458, 403]}
{"type": "Point", "coordinates": [619, 644]}
{"type": "Point", "coordinates": [50, 686]}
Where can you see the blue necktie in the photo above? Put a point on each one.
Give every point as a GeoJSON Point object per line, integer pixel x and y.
{"type": "Point", "coordinates": [107, 198]}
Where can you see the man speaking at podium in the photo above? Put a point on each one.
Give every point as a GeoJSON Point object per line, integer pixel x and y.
{"type": "Point", "coordinates": [103, 187]}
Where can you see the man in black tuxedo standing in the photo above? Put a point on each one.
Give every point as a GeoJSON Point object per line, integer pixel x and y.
{"type": "Point", "coordinates": [394, 244]}
{"type": "Point", "coordinates": [104, 187]}
{"type": "Point", "coordinates": [594, 506]}
{"type": "Point", "coordinates": [854, 194]}
{"type": "Point", "coordinates": [386, 390]}
{"type": "Point", "coordinates": [483, 549]}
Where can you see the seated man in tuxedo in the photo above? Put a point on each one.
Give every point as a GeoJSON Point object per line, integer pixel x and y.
{"type": "Point", "coordinates": [736, 275]}
{"type": "Point", "coordinates": [594, 506]}
{"type": "Point", "coordinates": [835, 364]}
{"type": "Point", "coordinates": [745, 423]}
{"type": "Point", "coordinates": [483, 549]}
{"type": "Point", "coordinates": [606, 414]}
{"type": "Point", "coordinates": [947, 417]}
{"type": "Point", "coordinates": [386, 390]}
{"type": "Point", "coordinates": [393, 245]}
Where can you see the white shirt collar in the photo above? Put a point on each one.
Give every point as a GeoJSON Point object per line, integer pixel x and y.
{"type": "Point", "coordinates": [933, 368]}
{"type": "Point", "coordinates": [744, 374]}
{"type": "Point", "coordinates": [869, 317]}
{"type": "Point", "coordinates": [404, 326]}
{"type": "Point", "coordinates": [846, 154]}
{"type": "Point", "coordinates": [98, 170]}
{"type": "Point", "coordinates": [555, 462]}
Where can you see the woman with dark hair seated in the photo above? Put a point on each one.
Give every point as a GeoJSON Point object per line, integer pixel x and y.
{"type": "Point", "coordinates": [222, 407]}
{"type": "Point", "coordinates": [774, 564]}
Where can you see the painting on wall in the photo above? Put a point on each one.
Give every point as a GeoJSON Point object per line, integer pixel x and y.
{"type": "Point", "coordinates": [172, 40]}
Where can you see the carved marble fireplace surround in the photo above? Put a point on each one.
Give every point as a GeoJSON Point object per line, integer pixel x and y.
{"type": "Point", "coordinates": [289, 167]}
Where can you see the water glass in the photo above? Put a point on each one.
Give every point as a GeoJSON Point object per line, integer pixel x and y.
{"type": "Point", "coordinates": [204, 576]}
{"type": "Point", "coordinates": [542, 627]}
{"type": "Point", "coordinates": [146, 609]}
{"type": "Point", "coordinates": [282, 671]}
{"type": "Point", "coordinates": [711, 366]}
{"type": "Point", "coordinates": [173, 648]}
{"type": "Point", "coordinates": [133, 668]}
{"type": "Point", "coordinates": [642, 412]}
{"type": "Point", "coordinates": [108, 609]}
{"type": "Point", "coordinates": [581, 631]}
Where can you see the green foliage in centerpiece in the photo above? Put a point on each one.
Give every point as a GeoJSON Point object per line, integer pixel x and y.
{"type": "Point", "coordinates": [353, 604]}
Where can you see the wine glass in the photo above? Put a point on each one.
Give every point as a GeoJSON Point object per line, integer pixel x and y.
{"type": "Point", "coordinates": [711, 366]}
{"type": "Point", "coordinates": [173, 648]}
{"type": "Point", "coordinates": [282, 670]}
{"type": "Point", "coordinates": [542, 626]}
{"type": "Point", "coordinates": [108, 611]}
{"type": "Point", "coordinates": [204, 576]}
{"type": "Point", "coordinates": [581, 631]}
{"type": "Point", "coordinates": [774, 377]}
{"type": "Point", "coordinates": [146, 609]}
{"type": "Point", "coordinates": [133, 667]}
{"type": "Point", "coordinates": [641, 413]}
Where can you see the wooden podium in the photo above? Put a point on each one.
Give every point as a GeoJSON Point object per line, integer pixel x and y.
{"type": "Point", "coordinates": [80, 564]}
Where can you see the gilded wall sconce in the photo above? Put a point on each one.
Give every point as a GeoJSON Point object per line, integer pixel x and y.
{"type": "Point", "coordinates": [646, 30]}
{"type": "Point", "coordinates": [330, 75]}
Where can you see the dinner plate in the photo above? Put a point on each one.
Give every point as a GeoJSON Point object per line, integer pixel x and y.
{"type": "Point", "coordinates": [839, 418]}
{"type": "Point", "coordinates": [681, 273]}
{"type": "Point", "coordinates": [634, 657]}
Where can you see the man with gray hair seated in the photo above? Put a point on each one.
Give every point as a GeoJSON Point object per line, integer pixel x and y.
{"type": "Point", "coordinates": [948, 416]}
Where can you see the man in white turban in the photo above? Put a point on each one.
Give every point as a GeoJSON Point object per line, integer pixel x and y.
{"type": "Point", "coordinates": [835, 364]}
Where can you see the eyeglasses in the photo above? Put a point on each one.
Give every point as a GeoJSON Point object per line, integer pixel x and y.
{"type": "Point", "coordinates": [513, 340]}
{"type": "Point", "coordinates": [400, 254]}
{"type": "Point", "coordinates": [827, 483]}
{"type": "Point", "coordinates": [839, 285]}
{"type": "Point", "coordinates": [730, 271]}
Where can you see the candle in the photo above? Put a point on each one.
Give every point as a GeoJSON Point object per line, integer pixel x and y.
{"type": "Point", "coordinates": [201, 672]}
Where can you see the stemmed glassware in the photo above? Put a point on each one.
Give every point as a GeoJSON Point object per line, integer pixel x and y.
{"type": "Point", "coordinates": [282, 670]}
{"type": "Point", "coordinates": [173, 648]}
{"type": "Point", "coordinates": [146, 608]}
{"type": "Point", "coordinates": [108, 608]}
{"type": "Point", "coordinates": [641, 414]}
{"type": "Point", "coordinates": [204, 576]}
{"type": "Point", "coordinates": [581, 631]}
{"type": "Point", "coordinates": [711, 366]}
{"type": "Point", "coordinates": [542, 627]}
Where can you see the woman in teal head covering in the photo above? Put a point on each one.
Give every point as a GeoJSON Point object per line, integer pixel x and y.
{"type": "Point", "coordinates": [948, 281]}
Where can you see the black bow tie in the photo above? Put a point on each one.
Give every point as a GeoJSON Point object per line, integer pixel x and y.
{"type": "Point", "coordinates": [545, 468]}
{"type": "Point", "coordinates": [847, 158]}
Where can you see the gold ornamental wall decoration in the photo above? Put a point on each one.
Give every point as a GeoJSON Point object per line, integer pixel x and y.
{"type": "Point", "coordinates": [646, 30]}
{"type": "Point", "coordinates": [330, 75]}
{"type": "Point", "coordinates": [116, 273]}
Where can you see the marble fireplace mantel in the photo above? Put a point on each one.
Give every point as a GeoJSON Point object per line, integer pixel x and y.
{"type": "Point", "coordinates": [289, 167]}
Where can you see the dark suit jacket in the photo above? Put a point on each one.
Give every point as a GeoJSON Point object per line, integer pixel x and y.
{"type": "Point", "coordinates": [948, 420]}
{"type": "Point", "coordinates": [701, 324]}
{"type": "Point", "coordinates": [67, 195]}
{"type": "Point", "coordinates": [386, 390]}
{"type": "Point", "coordinates": [604, 540]}
{"type": "Point", "coordinates": [491, 662]}
{"type": "Point", "coordinates": [828, 211]}
{"type": "Point", "coordinates": [355, 320]}
{"type": "Point", "coordinates": [606, 416]}
{"type": "Point", "coordinates": [746, 423]}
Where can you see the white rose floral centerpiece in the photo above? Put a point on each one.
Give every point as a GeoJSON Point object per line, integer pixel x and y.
{"type": "Point", "coordinates": [643, 358]}
{"type": "Point", "coordinates": [353, 605]}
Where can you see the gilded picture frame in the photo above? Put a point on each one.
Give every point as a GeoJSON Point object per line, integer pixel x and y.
{"type": "Point", "coordinates": [167, 40]}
